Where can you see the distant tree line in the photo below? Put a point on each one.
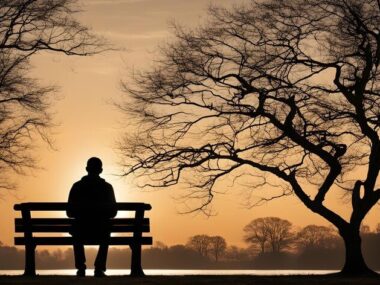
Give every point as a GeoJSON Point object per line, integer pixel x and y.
{"type": "Point", "coordinates": [275, 235]}
{"type": "Point", "coordinates": [208, 246]}
{"type": "Point", "coordinates": [272, 243]}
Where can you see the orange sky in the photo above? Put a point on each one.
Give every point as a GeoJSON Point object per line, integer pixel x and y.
{"type": "Point", "coordinates": [89, 125]}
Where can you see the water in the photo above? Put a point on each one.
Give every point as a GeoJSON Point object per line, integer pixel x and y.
{"type": "Point", "coordinates": [176, 272]}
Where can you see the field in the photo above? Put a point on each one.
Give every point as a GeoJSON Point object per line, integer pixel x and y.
{"type": "Point", "coordinates": [188, 280]}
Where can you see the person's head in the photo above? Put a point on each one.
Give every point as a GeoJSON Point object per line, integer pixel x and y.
{"type": "Point", "coordinates": [94, 166]}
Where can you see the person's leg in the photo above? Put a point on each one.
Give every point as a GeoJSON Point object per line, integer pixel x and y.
{"type": "Point", "coordinates": [101, 258]}
{"type": "Point", "coordinates": [78, 246]}
{"type": "Point", "coordinates": [79, 254]}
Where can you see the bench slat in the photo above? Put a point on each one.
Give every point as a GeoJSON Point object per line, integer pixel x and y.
{"type": "Point", "coordinates": [47, 206]}
{"type": "Point", "coordinates": [67, 228]}
{"type": "Point", "coordinates": [69, 241]}
{"type": "Point", "coordinates": [68, 221]}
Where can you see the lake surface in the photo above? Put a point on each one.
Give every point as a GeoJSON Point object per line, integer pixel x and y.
{"type": "Point", "coordinates": [176, 272]}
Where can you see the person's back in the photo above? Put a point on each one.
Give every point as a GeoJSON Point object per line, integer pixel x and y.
{"type": "Point", "coordinates": [91, 197]}
{"type": "Point", "coordinates": [92, 204]}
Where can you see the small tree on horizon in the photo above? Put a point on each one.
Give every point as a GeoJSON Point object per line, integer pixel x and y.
{"type": "Point", "coordinates": [365, 229]}
{"type": "Point", "coordinates": [316, 237]}
{"type": "Point", "coordinates": [200, 243]}
{"type": "Point", "coordinates": [288, 91]}
{"type": "Point", "coordinates": [270, 232]}
{"type": "Point", "coordinates": [256, 234]}
{"type": "Point", "coordinates": [218, 246]}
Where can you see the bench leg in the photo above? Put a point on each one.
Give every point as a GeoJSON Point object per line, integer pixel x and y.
{"type": "Point", "coordinates": [30, 261]}
{"type": "Point", "coordinates": [136, 269]}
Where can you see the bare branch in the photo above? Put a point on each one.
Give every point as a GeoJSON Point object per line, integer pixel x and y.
{"type": "Point", "coordinates": [291, 91]}
{"type": "Point", "coordinates": [26, 28]}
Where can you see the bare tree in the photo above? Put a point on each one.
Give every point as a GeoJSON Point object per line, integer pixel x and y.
{"type": "Point", "coordinates": [200, 243]}
{"type": "Point", "coordinates": [285, 90]}
{"type": "Point", "coordinates": [316, 237]}
{"type": "Point", "coordinates": [256, 233]}
{"type": "Point", "coordinates": [26, 28]}
{"type": "Point", "coordinates": [218, 246]}
{"type": "Point", "coordinates": [271, 232]}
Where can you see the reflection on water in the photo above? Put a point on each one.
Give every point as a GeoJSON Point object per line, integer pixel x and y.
{"type": "Point", "coordinates": [172, 272]}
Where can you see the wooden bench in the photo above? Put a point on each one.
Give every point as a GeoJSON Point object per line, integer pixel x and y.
{"type": "Point", "coordinates": [130, 231]}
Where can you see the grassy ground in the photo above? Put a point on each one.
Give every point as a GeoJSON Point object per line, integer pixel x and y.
{"type": "Point", "coordinates": [188, 280]}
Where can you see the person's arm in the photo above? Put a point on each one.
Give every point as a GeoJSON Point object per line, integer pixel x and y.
{"type": "Point", "coordinates": [71, 204]}
{"type": "Point", "coordinates": [111, 202]}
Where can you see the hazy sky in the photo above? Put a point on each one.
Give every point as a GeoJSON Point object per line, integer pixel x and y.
{"type": "Point", "coordinates": [89, 125]}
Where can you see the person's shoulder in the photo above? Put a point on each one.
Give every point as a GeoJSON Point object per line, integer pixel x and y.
{"type": "Point", "coordinates": [108, 185]}
{"type": "Point", "coordinates": [79, 183]}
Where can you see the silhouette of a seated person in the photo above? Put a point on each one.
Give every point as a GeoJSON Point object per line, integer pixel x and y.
{"type": "Point", "coordinates": [92, 203]}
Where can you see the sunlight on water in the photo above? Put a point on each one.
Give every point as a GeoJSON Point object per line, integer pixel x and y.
{"type": "Point", "coordinates": [172, 272]}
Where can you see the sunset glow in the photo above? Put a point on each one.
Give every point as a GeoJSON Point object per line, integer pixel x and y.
{"type": "Point", "coordinates": [89, 125]}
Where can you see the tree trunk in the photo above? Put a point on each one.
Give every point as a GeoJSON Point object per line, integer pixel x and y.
{"type": "Point", "coordinates": [354, 262]}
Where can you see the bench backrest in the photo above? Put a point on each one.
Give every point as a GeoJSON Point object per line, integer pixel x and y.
{"type": "Point", "coordinates": [28, 226]}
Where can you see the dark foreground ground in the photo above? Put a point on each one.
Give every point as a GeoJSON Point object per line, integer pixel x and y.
{"type": "Point", "coordinates": [187, 280]}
